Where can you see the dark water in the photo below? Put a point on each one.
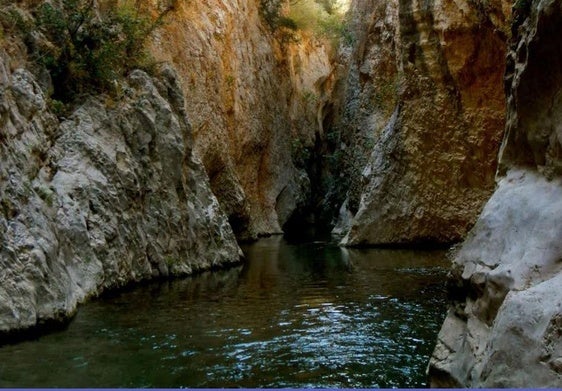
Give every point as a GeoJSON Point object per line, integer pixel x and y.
{"type": "Point", "coordinates": [295, 315]}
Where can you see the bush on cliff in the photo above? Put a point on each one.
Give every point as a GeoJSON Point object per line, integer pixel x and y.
{"type": "Point", "coordinates": [86, 48]}
{"type": "Point", "coordinates": [323, 18]}
{"type": "Point", "coordinates": [89, 49]}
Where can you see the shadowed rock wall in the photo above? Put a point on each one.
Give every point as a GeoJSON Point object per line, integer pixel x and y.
{"type": "Point", "coordinates": [503, 328]}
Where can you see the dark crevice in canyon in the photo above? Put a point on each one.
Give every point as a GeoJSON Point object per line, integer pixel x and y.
{"type": "Point", "coordinates": [319, 211]}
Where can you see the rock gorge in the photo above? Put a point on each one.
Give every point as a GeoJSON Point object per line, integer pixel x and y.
{"type": "Point", "coordinates": [245, 130]}
{"type": "Point", "coordinates": [116, 192]}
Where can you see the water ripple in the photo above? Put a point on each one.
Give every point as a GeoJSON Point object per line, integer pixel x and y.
{"type": "Point", "coordinates": [295, 316]}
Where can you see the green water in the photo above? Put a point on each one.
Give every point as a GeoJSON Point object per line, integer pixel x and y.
{"type": "Point", "coordinates": [294, 315]}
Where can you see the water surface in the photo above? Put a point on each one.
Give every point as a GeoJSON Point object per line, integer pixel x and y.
{"type": "Point", "coordinates": [294, 315]}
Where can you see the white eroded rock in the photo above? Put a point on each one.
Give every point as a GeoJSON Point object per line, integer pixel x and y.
{"type": "Point", "coordinates": [112, 195]}
{"type": "Point", "coordinates": [505, 330]}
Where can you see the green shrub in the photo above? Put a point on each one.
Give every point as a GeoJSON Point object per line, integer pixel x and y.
{"type": "Point", "coordinates": [323, 18]}
{"type": "Point", "coordinates": [13, 21]}
{"type": "Point", "coordinates": [300, 153]}
{"type": "Point", "coordinates": [89, 50]}
{"type": "Point", "coordinates": [286, 22]}
{"type": "Point", "coordinates": [171, 261]}
{"type": "Point", "coordinates": [306, 14]}
{"type": "Point", "coordinates": [57, 107]}
{"type": "Point", "coordinates": [334, 27]}
{"type": "Point", "coordinates": [45, 194]}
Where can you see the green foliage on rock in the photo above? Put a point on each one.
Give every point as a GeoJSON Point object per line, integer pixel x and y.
{"type": "Point", "coordinates": [322, 18]}
{"type": "Point", "coordinates": [88, 50]}
{"type": "Point", "coordinates": [45, 194]}
{"type": "Point", "coordinates": [57, 107]}
{"type": "Point", "coordinates": [84, 47]}
{"type": "Point", "coordinates": [13, 20]}
{"type": "Point", "coordinates": [287, 23]}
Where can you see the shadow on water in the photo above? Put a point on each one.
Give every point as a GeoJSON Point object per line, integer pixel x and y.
{"type": "Point", "coordinates": [296, 314]}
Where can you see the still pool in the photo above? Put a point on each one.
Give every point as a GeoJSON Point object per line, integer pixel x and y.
{"type": "Point", "coordinates": [301, 315]}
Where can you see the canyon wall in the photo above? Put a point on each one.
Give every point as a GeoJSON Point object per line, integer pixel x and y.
{"type": "Point", "coordinates": [254, 96]}
{"type": "Point", "coordinates": [422, 118]}
{"type": "Point", "coordinates": [123, 188]}
{"type": "Point", "coordinates": [504, 326]}
{"type": "Point", "coordinates": [109, 195]}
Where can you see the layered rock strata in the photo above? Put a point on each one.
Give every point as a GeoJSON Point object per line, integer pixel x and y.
{"type": "Point", "coordinates": [423, 118]}
{"type": "Point", "coordinates": [110, 195]}
{"type": "Point", "coordinates": [505, 324]}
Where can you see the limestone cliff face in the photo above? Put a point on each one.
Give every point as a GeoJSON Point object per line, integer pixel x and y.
{"type": "Point", "coordinates": [504, 327]}
{"type": "Point", "coordinates": [423, 118]}
{"type": "Point", "coordinates": [115, 193]}
{"type": "Point", "coordinates": [112, 194]}
{"type": "Point", "coordinates": [254, 102]}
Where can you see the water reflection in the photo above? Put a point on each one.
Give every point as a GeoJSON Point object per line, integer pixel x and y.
{"type": "Point", "coordinates": [295, 315]}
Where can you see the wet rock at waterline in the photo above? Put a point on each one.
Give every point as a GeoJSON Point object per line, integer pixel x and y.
{"type": "Point", "coordinates": [505, 325]}
{"type": "Point", "coordinates": [112, 194]}
{"type": "Point", "coordinates": [422, 119]}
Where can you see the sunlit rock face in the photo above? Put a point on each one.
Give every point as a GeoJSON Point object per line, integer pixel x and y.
{"type": "Point", "coordinates": [423, 117]}
{"type": "Point", "coordinates": [112, 194]}
{"type": "Point", "coordinates": [504, 327]}
{"type": "Point", "coordinates": [254, 98]}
